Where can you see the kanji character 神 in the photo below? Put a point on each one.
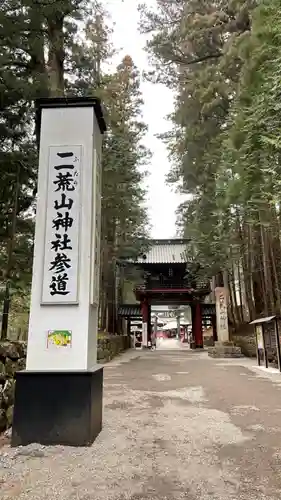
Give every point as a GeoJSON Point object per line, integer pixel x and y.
{"type": "Point", "coordinates": [62, 220]}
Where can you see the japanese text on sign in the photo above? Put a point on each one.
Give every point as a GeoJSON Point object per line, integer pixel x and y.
{"type": "Point", "coordinates": [223, 312]}
{"type": "Point", "coordinates": [60, 278]}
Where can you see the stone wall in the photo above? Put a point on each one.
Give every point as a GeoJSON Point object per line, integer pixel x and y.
{"type": "Point", "coordinates": [225, 350]}
{"type": "Point", "coordinates": [111, 346]}
{"type": "Point", "coordinates": [13, 358]}
{"type": "Point", "coordinates": [208, 341]}
{"type": "Point", "coordinates": [247, 344]}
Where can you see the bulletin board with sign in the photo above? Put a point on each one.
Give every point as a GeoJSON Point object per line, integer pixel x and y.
{"type": "Point", "coordinates": [261, 351]}
{"type": "Point", "coordinates": [268, 343]}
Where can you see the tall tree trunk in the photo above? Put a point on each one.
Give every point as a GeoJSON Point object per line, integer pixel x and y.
{"type": "Point", "coordinates": [247, 265]}
{"type": "Point", "coordinates": [37, 59]}
{"type": "Point", "coordinates": [56, 54]}
{"type": "Point", "coordinates": [37, 52]}
{"type": "Point", "coordinates": [111, 303]}
{"type": "Point", "coordinates": [266, 269]}
{"type": "Point", "coordinates": [276, 257]}
{"type": "Point", "coordinates": [240, 291]}
{"type": "Point", "coordinates": [10, 251]}
{"type": "Point", "coordinates": [274, 277]}
{"type": "Point", "coordinates": [232, 316]}
{"type": "Point", "coordinates": [246, 300]}
{"type": "Point", "coordinates": [236, 309]}
{"type": "Point", "coordinates": [111, 276]}
{"type": "Point", "coordinates": [259, 289]}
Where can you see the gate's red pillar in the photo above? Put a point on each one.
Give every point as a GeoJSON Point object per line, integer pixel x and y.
{"type": "Point", "coordinates": [145, 320]}
{"type": "Point", "coordinates": [197, 325]}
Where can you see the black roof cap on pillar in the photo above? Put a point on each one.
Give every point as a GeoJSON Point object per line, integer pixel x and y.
{"type": "Point", "coordinates": [68, 102]}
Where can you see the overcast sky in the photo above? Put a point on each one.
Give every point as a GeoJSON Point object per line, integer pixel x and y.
{"type": "Point", "coordinates": [162, 201]}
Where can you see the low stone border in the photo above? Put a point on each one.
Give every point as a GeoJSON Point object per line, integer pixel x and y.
{"type": "Point", "coordinates": [225, 350]}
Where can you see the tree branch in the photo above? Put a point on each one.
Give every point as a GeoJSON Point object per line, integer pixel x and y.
{"type": "Point", "coordinates": [216, 55]}
{"type": "Point", "coordinates": [194, 61]}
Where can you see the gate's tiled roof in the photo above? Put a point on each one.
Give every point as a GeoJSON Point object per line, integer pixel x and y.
{"type": "Point", "coordinates": [172, 251]}
{"type": "Point", "coordinates": [129, 310]}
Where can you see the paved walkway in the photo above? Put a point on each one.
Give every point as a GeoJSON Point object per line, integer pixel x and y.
{"type": "Point", "coordinates": [169, 344]}
{"type": "Point", "coordinates": [177, 425]}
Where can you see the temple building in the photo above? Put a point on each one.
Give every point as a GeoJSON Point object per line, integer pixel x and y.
{"type": "Point", "coordinates": [168, 278]}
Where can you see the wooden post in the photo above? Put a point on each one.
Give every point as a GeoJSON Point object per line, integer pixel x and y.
{"type": "Point", "coordinates": [265, 349]}
{"type": "Point", "coordinates": [144, 310]}
{"type": "Point", "coordinates": [178, 326]}
{"type": "Point", "coordinates": [155, 325]}
{"type": "Point", "coordinates": [278, 343]}
{"type": "Point", "coordinates": [258, 346]}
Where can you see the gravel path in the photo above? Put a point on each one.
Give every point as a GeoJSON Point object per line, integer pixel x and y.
{"type": "Point", "coordinates": [177, 425]}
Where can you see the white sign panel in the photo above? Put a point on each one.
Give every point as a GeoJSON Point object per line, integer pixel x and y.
{"type": "Point", "coordinates": [144, 334]}
{"type": "Point", "coordinates": [259, 337]}
{"type": "Point", "coordinates": [61, 253]}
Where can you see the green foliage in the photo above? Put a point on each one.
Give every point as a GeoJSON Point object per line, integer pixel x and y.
{"type": "Point", "coordinates": [222, 60]}
{"type": "Point", "coordinates": [124, 216]}
{"type": "Point", "coordinates": [55, 48]}
{"type": "Point", "coordinates": [125, 157]}
{"type": "Point", "coordinates": [196, 43]}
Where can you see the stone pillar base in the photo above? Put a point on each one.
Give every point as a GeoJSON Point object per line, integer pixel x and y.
{"type": "Point", "coordinates": [209, 342]}
{"type": "Point", "coordinates": [225, 350]}
{"type": "Point", "coordinates": [57, 408]}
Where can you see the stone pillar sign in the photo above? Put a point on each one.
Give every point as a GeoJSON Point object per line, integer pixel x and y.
{"type": "Point", "coordinates": [223, 348]}
{"type": "Point", "coordinates": [221, 294]}
{"type": "Point", "coordinates": [58, 398]}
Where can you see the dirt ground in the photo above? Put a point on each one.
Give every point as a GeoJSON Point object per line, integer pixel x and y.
{"type": "Point", "coordinates": [177, 425]}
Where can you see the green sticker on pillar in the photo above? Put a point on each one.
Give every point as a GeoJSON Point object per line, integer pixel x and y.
{"type": "Point", "coordinates": [59, 338]}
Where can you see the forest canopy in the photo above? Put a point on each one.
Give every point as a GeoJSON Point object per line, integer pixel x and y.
{"type": "Point", "coordinates": [222, 61]}
{"type": "Point", "coordinates": [60, 48]}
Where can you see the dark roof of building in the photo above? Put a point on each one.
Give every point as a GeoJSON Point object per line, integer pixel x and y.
{"type": "Point", "coordinates": [129, 311]}
{"type": "Point", "coordinates": [134, 310]}
{"type": "Point", "coordinates": [168, 251]}
{"type": "Point", "coordinates": [208, 309]}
